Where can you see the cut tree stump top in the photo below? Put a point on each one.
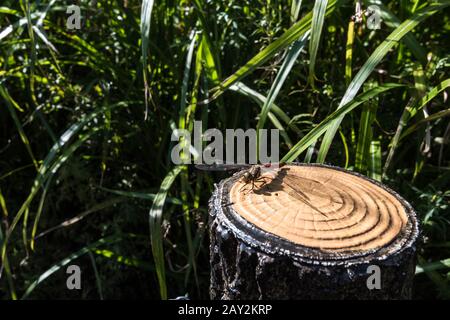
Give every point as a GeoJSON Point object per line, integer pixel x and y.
{"type": "Point", "coordinates": [318, 213]}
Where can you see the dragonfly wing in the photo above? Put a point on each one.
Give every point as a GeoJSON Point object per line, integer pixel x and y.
{"type": "Point", "coordinates": [313, 189]}
{"type": "Point", "coordinates": [296, 193]}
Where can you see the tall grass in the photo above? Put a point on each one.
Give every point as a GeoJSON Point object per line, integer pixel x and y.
{"type": "Point", "coordinates": [86, 118]}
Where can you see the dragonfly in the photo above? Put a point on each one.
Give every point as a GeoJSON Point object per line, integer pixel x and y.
{"type": "Point", "coordinates": [253, 174]}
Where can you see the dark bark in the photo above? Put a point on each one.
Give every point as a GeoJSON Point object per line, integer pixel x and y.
{"type": "Point", "coordinates": [249, 263]}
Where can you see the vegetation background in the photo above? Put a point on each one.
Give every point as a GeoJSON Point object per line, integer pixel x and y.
{"type": "Point", "coordinates": [86, 117]}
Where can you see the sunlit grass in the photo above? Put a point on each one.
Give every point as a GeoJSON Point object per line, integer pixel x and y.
{"type": "Point", "coordinates": [86, 117]}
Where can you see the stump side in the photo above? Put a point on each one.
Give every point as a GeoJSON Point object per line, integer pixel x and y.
{"type": "Point", "coordinates": [241, 272]}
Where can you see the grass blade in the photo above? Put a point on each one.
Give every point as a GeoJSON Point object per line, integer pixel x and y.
{"type": "Point", "coordinates": [375, 170]}
{"type": "Point", "coordinates": [295, 10]}
{"type": "Point", "coordinates": [5, 261]}
{"type": "Point", "coordinates": [372, 62]}
{"type": "Point", "coordinates": [349, 52]}
{"type": "Point", "coordinates": [318, 18]}
{"type": "Point", "coordinates": [185, 85]}
{"type": "Point", "coordinates": [365, 133]}
{"type": "Point", "coordinates": [409, 112]}
{"type": "Point", "coordinates": [155, 220]}
{"type": "Point", "coordinates": [440, 282]}
{"type": "Point", "coordinates": [433, 266]}
{"type": "Point", "coordinates": [146, 15]}
{"type": "Point", "coordinates": [410, 40]}
{"type": "Point", "coordinates": [66, 261]}
{"type": "Point", "coordinates": [315, 133]}
{"type": "Point", "coordinates": [12, 105]}
{"type": "Point", "coordinates": [44, 38]}
{"type": "Point", "coordinates": [141, 195]}
{"type": "Point", "coordinates": [261, 100]}
{"type": "Point", "coordinates": [50, 166]}
{"type": "Point", "coordinates": [438, 115]}
{"type": "Point", "coordinates": [212, 69]}
{"type": "Point", "coordinates": [291, 35]}
{"type": "Point", "coordinates": [286, 67]}
{"type": "Point", "coordinates": [345, 145]}
{"type": "Point", "coordinates": [98, 280]}
{"type": "Point", "coordinates": [77, 218]}
{"type": "Point", "coordinates": [126, 261]}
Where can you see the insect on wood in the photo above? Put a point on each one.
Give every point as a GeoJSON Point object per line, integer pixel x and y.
{"type": "Point", "coordinates": [253, 174]}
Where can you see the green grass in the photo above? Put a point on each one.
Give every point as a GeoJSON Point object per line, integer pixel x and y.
{"type": "Point", "coordinates": [86, 118]}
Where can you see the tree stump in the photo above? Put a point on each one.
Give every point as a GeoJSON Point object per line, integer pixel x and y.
{"type": "Point", "coordinates": [310, 232]}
